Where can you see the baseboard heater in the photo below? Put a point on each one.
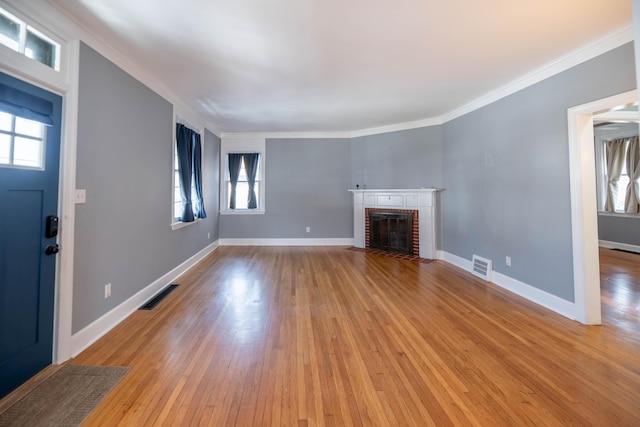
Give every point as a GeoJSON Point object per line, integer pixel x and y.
{"type": "Point", "coordinates": [159, 297]}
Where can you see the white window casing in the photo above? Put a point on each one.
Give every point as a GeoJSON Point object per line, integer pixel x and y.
{"type": "Point", "coordinates": [241, 145]}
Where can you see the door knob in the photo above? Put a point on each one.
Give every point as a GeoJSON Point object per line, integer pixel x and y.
{"type": "Point", "coordinates": [52, 250]}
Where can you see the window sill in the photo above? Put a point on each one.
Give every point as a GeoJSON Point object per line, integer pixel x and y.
{"type": "Point", "coordinates": [619, 214]}
{"type": "Point", "coordinates": [243, 212]}
{"type": "Point", "coordinates": [178, 225]}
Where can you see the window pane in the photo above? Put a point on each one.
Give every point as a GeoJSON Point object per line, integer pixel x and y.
{"type": "Point", "coordinates": [5, 149]}
{"type": "Point", "coordinates": [177, 209]}
{"type": "Point", "coordinates": [242, 176]}
{"type": "Point", "coordinates": [5, 120]}
{"type": "Point", "coordinates": [29, 127]}
{"type": "Point", "coordinates": [9, 33]}
{"type": "Point", "coordinates": [194, 196]}
{"type": "Point", "coordinates": [242, 195]}
{"type": "Point", "coordinates": [27, 152]}
{"type": "Point", "coordinates": [40, 50]}
{"type": "Point", "coordinates": [256, 188]}
{"type": "Point", "coordinates": [621, 193]}
{"type": "Point", "coordinates": [242, 192]}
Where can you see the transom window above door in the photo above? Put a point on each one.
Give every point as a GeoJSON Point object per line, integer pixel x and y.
{"type": "Point", "coordinates": [25, 39]}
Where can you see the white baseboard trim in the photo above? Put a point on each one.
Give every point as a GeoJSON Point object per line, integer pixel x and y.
{"type": "Point", "coordinates": [90, 334]}
{"type": "Point", "coordinates": [287, 242]}
{"type": "Point", "coordinates": [533, 294]}
{"type": "Point", "coordinates": [545, 299]}
{"type": "Point", "coordinates": [464, 264]}
{"type": "Point", "coordinates": [616, 245]}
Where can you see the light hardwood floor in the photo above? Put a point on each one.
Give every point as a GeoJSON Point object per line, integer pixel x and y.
{"type": "Point", "coordinates": [620, 290]}
{"type": "Point", "coordinates": [328, 336]}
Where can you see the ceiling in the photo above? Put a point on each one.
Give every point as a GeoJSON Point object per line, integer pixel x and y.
{"type": "Point", "coordinates": [341, 65]}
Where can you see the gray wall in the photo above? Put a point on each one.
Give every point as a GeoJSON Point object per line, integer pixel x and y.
{"type": "Point", "coordinates": [404, 159]}
{"type": "Point", "coordinates": [306, 186]}
{"type": "Point", "coordinates": [619, 229]}
{"type": "Point", "coordinates": [506, 173]}
{"type": "Point", "coordinates": [504, 168]}
{"type": "Point", "coordinates": [324, 169]}
{"type": "Point", "coordinates": [124, 161]}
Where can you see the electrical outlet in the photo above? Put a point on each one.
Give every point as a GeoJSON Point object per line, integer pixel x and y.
{"type": "Point", "coordinates": [81, 196]}
{"type": "Point", "coordinates": [107, 290]}
{"type": "Point", "coordinates": [308, 229]}
{"type": "Point", "coordinates": [508, 261]}
{"type": "Point", "coordinates": [208, 235]}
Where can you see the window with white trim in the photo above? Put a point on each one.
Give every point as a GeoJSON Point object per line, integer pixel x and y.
{"type": "Point", "coordinates": [622, 132]}
{"type": "Point", "coordinates": [177, 197]}
{"type": "Point", "coordinates": [25, 39]}
{"type": "Point", "coordinates": [197, 203]}
{"type": "Point", "coordinates": [238, 155]}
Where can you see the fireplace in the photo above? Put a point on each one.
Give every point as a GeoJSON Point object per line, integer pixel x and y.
{"type": "Point", "coordinates": [393, 230]}
{"type": "Point", "coordinates": [419, 204]}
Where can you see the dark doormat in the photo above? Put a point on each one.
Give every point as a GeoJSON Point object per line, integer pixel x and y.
{"type": "Point", "coordinates": [158, 298]}
{"type": "Point", "coordinates": [64, 399]}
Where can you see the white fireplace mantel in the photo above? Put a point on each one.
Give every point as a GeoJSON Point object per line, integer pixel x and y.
{"type": "Point", "coordinates": [421, 199]}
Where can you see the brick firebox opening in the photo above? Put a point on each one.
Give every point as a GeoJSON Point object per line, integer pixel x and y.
{"type": "Point", "coordinates": [414, 234]}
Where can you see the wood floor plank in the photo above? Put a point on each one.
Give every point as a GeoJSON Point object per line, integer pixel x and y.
{"type": "Point", "coordinates": [326, 336]}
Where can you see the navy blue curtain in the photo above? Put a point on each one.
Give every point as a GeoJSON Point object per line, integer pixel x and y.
{"type": "Point", "coordinates": [25, 105]}
{"type": "Point", "coordinates": [251, 166]}
{"type": "Point", "coordinates": [198, 205]}
{"type": "Point", "coordinates": [235, 162]}
{"type": "Point", "coordinates": [184, 137]}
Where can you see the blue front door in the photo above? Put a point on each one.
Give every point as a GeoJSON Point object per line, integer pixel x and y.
{"type": "Point", "coordinates": [29, 176]}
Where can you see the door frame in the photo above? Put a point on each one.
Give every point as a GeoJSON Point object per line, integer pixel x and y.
{"type": "Point", "coordinates": [584, 215]}
{"type": "Point", "coordinates": [64, 84]}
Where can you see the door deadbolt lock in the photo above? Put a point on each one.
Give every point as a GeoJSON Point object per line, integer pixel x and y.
{"type": "Point", "coordinates": [52, 250]}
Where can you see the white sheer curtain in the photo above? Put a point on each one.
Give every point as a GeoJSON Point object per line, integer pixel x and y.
{"type": "Point", "coordinates": [616, 151]}
{"type": "Point", "coordinates": [632, 198]}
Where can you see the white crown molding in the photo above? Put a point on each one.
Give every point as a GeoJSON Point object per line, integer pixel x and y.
{"type": "Point", "coordinates": [80, 31]}
{"type": "Point", "coordinates": [579, 56]}
{"type": "Point", "coordinates": [609, 42]}
{"type": "Point", "coordinates": [284, 135]}
{"type": "Point", "coordinates": [335, 135]}
{"type": "Point", "coordinates": [434, 121]}
{"type": "Point", "coordinates": [583, 54]}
